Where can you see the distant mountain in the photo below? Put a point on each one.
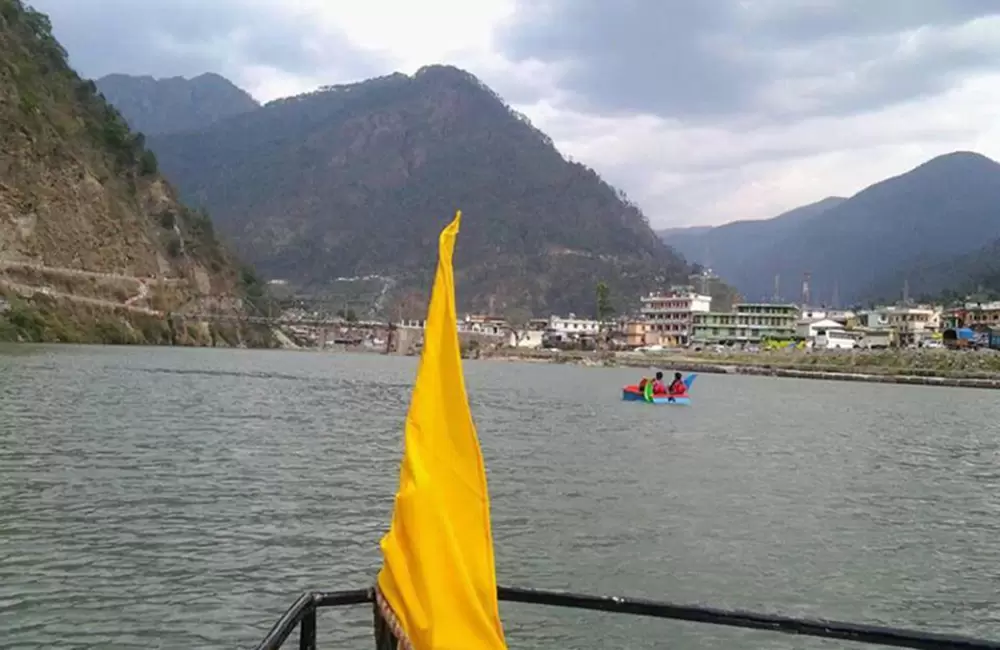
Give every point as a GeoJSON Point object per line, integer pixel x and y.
{"type": "Point", "coordinates": [358, 180]}
{"type": "Point", "coordinates": [906, 228]}
{"type": "Point", "coordinates": [158, 106]}
{"type": "Point", "coordinates": [975, 272]}
{"type": "Point", "coordinates": [729, 250]}
{"type": "Point", "coordinates": [667, 233]}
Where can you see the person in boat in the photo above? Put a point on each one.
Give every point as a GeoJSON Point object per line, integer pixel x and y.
{"type": "Point", "coordinates": [657, 387]}
{"type": "Point", "coordinates": [677, 386]}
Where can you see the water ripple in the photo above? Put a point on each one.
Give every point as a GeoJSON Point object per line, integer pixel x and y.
{"type": "Point", "coordinates": [182, 498]}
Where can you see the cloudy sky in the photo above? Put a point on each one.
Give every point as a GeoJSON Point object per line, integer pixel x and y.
{"type": "Point", "coordinates": [703, 111]}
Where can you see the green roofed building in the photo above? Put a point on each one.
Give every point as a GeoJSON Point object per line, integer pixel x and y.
{"type": "Point", "coordinates": [747, 323]}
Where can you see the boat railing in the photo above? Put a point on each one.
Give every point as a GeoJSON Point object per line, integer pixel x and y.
{"type": "Point", "coordinates": [302, 615]}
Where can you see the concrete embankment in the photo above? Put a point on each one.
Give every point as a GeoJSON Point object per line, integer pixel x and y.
{"type": "Point", "coordinates": [915, 380]}
{"type": "Point", "coordinates": [908, 376]}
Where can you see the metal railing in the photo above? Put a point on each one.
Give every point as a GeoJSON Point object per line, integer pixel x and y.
{"type": "Point", "coordinates": [302, 614]}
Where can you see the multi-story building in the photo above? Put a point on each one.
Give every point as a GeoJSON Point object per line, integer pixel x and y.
{"type": "Point", "coordinates": [635, 332]}
{"type": "Point", "coordinates": [669, 316]}
{"type": "Point", "coordinates": [872, 319]}
{"type": "Point", "coordinates": [913, 324]}
{"type": "Point", "coordinates": [747, 323]}
{"type": "Point", "coordinates": [980, 315]}
{"type": "Point", "coordinates": [908, 324]}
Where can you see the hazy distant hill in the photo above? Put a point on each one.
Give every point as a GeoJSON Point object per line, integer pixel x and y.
{"type": "Point", "coordinates": [157, 106]}
{"type": "Point", "coordinates": [734, 249]}
{"type": "Point", "coordinates": [667, 233]}
{"type": "Point", "coordinates": [359, 179]}
{"type": "Point", "coordinates": [867, 245]}
{"type": "Point", "coordinates": [977, 271]}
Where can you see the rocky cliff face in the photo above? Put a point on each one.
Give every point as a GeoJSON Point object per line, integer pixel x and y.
{"type": "Point", "coordinates": [78, 189]}
{"type": "Point", "coordinates": [81, 197]}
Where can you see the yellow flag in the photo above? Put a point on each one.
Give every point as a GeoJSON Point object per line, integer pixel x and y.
{"type": "Point", "coordinates": [438, 574]}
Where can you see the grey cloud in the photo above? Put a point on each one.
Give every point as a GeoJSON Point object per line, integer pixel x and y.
{"type": "Point", "coordinates": [714, 58]}
{"type": "Point", "coordinates": [189, 37]}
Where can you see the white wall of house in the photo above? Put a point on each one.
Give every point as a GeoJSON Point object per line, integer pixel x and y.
{"type": "Point", "coordinates": [876, 339]}
{"type": "Point", "coordinates": [529, 339]}
{"type": "Point", "coordinates": [573, 326]}
{"type": "Point", "coordinates": [810, 329]}
{"type": "Point", "coordinates": [873, 318]}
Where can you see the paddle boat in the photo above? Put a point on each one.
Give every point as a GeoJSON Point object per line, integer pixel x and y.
{"type": "Point", "coordinates": [635, 394]}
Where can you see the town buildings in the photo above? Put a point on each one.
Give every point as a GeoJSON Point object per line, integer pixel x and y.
{"type": "Point", "coordinates": [668, 318]}
{"type": "Point", "coordinates": [973, 314]}
{"type": "Point", "coordinates": [683, 316]}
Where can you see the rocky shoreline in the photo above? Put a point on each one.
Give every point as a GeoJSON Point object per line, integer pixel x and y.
{"type": "Point", "coordinates": [768, 367]}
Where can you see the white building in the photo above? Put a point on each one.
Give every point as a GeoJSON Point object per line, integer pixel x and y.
{"type": "Point", "coordinates": [670, 316]}
{"type": "Point", "coordinates": [564, 329]}
{"type": "Point", "coordinates": [487, 325]}
{"type": "Point", "coordinates": [824, 313]}
{"type": "Point", "coordinates": [573, 327]}
{"type": "Point", "coordinates": [526, 338]}
{"type": "Point", "coordinates": [810, 329]}
{"type": "Point", "coordinates": [814, 313]}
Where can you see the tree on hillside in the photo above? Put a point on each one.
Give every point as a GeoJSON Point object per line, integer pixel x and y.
{"type": "Point", "coordinates": [254, 289]}
{"type": "Point", "coordinates": [517, 319]}
{"type": "Point", "coordinates": [605, 310]}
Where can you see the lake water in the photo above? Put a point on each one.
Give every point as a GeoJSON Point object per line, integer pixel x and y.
{"type": "Point", "coordinates": [183, 498]}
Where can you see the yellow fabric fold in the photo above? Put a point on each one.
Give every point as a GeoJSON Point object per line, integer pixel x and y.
{"type": "Point", "coordinates": [438, 573]}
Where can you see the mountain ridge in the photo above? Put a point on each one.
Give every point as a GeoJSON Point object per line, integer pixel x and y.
{"type": "Point", "coordinates": [357, 179]}
{"type": "Point", "coordinates": [156, 106]}
{"type": "Point", "coordinates": [722, 247]}
{"type": "Point", "coordinates": [860, 247]}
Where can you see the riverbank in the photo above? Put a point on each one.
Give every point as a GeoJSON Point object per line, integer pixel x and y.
{"type": "Point", "coordinates": [48, 320]}
{"type": "Point", "coordinates": [913, 367]}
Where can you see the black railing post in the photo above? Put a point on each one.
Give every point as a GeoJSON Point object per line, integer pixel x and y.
{"type": "Point", "coordinates": [307, 629]}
